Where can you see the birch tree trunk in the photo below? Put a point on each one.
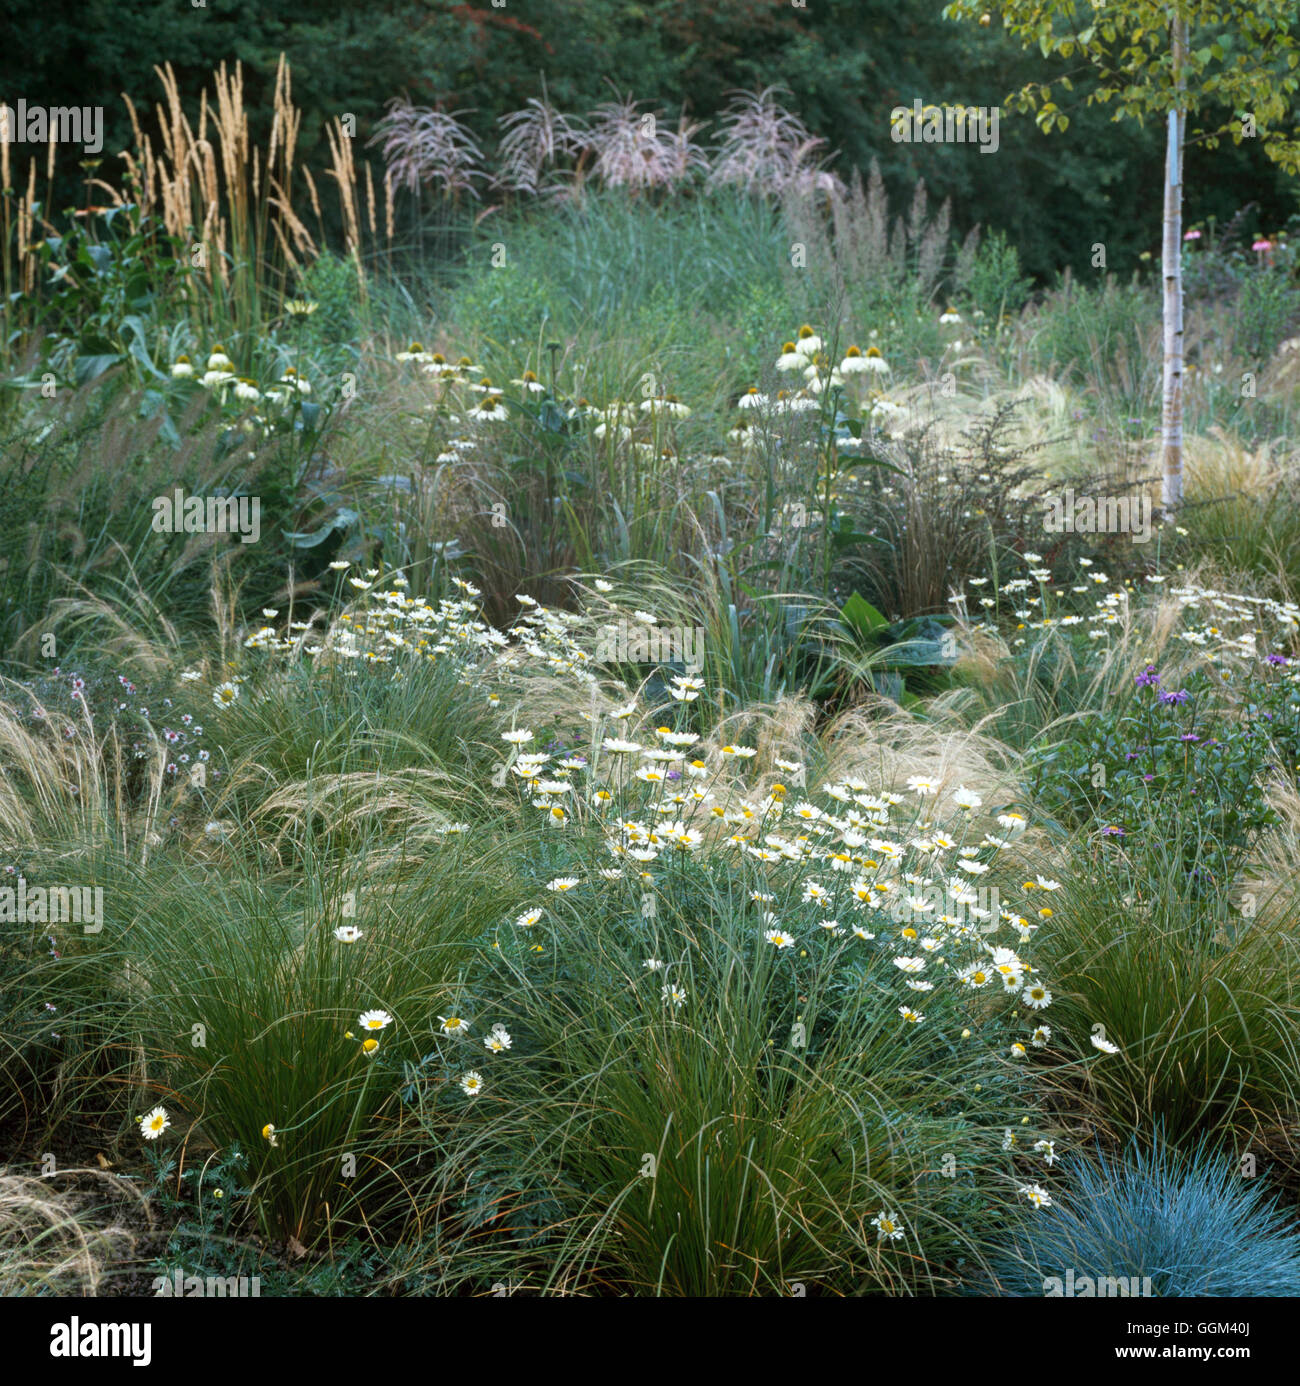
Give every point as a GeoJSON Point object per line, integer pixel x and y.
{"type": "Point", "coordinates": [1171, 494]}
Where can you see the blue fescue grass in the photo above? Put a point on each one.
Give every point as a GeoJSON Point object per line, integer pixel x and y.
{"type": "Point", "coordinates": [1190, 1221]}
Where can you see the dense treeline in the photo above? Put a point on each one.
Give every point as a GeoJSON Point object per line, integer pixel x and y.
{"type": "Point", "coordinates": [845, 62]}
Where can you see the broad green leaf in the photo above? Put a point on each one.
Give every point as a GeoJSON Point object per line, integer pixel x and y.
{"type": "Point", "coordinates": [862, 616]}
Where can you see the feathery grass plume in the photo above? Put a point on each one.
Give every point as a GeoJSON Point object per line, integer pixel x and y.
{"type": "Point", "coordinates": [205, 184]}
{"type": "Point", "coordinates": [883, 743]}
{"type": "Point", "coordinates": [65, 1240]}
{"type": "Point", "coordinates": [766, 148]}
{"type": "Point", "coordinates": [68, 786]}
{"type": "Point", "coordinates": [634, 149]}
{"type": "Point", "coordinates": [538, 141]}
{"type": "Point", "coordinates": [423, 146]}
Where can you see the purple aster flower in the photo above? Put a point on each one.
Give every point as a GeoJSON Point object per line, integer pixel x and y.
{"type": "Point", "coordinates": [1276, 659]}
{"type": "Point", "coordinates": [1147, 678]}
{"type": "Point", "coordinates": [1112, 831]}
{"type": "Point", "coordinates": [1189, 736]}
{"type": "Point", "coordinates": [1179, 697]}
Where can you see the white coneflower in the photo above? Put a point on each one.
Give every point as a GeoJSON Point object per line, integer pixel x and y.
{"type": "Point", "coordinates": [219, 361]}
{"type": "Point", "coordinates": [950, 317]}
{"type": "Point", "coordinates": [875, 361]}
{"type": "Point", "coordinates": [818, 382]}
{"type": "Point", "coordinates": [808, 343]}
{"type": "Point", "coordinates": [247, 389]}
{"type": "Point", "coordinates": [183, 368]}
{"type": "Point", "coordinates": [752, 399]}
{"type": "Point", "coordinates": [790, 359]}
{"type": "Point", "coordinates": [854, 363]}
{"type": "Point", "coordinates": [489, 409]}
{"type": "Point", "coordinates": [666, 404]}
{"type": "Point", "coordinates": [347, 933]}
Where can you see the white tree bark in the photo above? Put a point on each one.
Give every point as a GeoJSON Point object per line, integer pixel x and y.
{"type": "Point", "coordinates": [1172, 406]}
